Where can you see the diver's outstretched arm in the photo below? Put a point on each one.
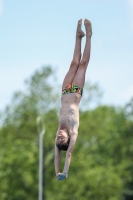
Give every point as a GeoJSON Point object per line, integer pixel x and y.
{"type": "Point", "coordinates": [64, 174]}
{"type": "Point", "coordinates": [69, 153]}
{"type": "Point", "coordinates": [57, 159]}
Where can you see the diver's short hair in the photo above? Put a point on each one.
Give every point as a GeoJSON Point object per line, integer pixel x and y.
{"type": "Point", "coordinates": [63, 145]}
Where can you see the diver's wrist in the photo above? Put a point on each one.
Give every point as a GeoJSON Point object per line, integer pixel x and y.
{"type": "Point", "coordinates": [65, 173]}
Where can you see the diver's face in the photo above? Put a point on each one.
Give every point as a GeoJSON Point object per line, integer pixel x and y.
{"type": "Point", "coordinates": [62, 135]}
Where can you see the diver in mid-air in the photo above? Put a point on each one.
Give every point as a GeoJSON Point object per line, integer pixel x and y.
{"type": "Point", "coordinates": [72, 90]}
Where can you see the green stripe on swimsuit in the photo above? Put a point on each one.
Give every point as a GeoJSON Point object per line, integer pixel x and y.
{"type": "Point", "coordinates": [72, 89]}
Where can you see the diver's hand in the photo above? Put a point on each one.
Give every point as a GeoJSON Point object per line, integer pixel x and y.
{"type": "Point", "coordinates": [61, 176]}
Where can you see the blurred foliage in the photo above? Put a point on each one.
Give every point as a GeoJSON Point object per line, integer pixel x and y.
{"type": "Point", "coordinates": [102, 163]}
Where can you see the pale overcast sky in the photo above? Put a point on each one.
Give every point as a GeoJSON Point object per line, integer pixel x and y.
{"type": "Point", "coordinates": [36, 33]}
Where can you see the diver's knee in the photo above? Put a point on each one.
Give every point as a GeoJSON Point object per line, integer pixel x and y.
{"type": "Point", "coordinates": [83, 63]}
{"type": "Point", "coordinates": [74, 63]}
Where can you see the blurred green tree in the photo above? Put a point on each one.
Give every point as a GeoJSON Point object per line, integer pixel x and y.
{"type": "Point", "coordinates": [128, 179]}
{"type": "Point", "coordinates": [19, 139]}
{"type": "Point", "coordinates": [101, 166]}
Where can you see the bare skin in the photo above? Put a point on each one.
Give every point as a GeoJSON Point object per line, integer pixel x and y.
{"type": "Point", "coordinates": [69, 111]}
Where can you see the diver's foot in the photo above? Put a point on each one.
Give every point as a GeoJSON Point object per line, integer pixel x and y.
{"type": "Point", "coordinates": [88, 27]}
{"type": "Point", "coordinates": [79, 32]}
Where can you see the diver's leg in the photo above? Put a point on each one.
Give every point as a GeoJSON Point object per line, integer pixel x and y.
{"type": "Point", "coordinates": [80, 75]}
{"type": "Point", "coordinates": [76, 57]}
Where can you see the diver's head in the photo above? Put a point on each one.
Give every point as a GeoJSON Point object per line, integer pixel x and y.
{"type": "Point", "coordinates": [62, 140]}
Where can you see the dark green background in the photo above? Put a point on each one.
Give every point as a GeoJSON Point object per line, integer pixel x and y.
{"type": "Point", "coordinates": [102, 160]}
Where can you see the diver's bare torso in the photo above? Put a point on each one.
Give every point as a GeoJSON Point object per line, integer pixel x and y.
{"type": "Point", "coordinates": [69, 112]}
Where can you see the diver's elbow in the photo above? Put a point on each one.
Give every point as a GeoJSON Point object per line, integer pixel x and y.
{"type": "Point", "coordinates": [69, 154]}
